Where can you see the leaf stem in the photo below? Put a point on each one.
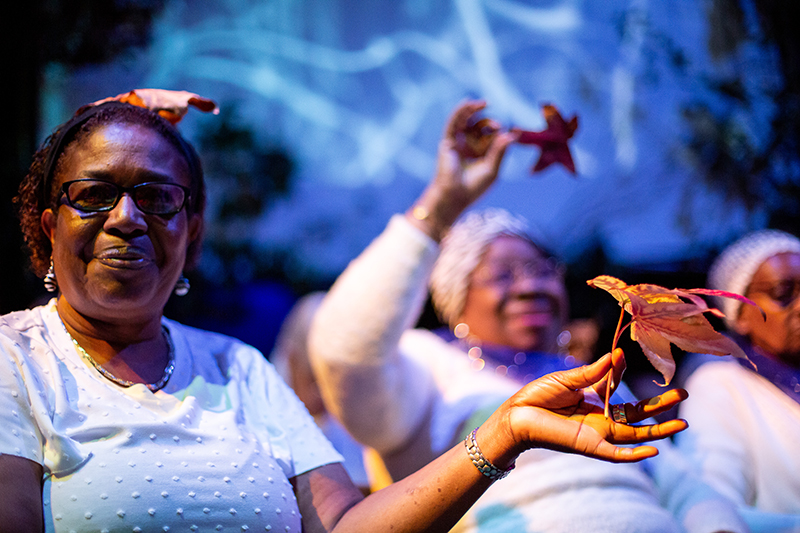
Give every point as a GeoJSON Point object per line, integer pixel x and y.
{"type": "Point", "coordinates": [617, 335]}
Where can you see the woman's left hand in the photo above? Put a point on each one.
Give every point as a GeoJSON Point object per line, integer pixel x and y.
{"type": "Point", "coordinates": [562, 411]}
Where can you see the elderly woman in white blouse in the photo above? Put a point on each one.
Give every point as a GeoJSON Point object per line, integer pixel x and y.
{"type": "Point", "coordinates": [116, 418]}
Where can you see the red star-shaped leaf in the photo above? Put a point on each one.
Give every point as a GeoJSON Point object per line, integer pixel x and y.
{"type": "Point", "coordinates": [552, 140]}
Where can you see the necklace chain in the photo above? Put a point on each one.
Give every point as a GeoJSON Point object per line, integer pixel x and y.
{"type": "Point", "coordinates": [158, 385]}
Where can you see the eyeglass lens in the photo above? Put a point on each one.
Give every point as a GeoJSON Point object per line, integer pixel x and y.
{"type": "Point", "coordinates": [154, 198]}
{"type": "Point", "coordinates": [784, 292]}
{"type": "Point", "coordinates": [509, 273]}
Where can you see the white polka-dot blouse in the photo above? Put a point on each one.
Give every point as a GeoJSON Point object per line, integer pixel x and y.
{"type": "Point", "coordinates": [212, 451]}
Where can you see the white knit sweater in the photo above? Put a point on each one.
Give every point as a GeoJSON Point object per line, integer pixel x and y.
{"type": "Point", "coordinates": [743, 435]}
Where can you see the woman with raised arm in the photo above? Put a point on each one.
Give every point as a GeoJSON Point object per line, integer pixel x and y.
{"type": "Point", "coordinates": [410, 393]}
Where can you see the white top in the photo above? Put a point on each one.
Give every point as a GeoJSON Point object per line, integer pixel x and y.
{"type": "Point", "coordinates": [410, 395]}
{"type": "Point", "coordinates": [744, 434]}
{"type": "Point", "coordinates": [213, 450]}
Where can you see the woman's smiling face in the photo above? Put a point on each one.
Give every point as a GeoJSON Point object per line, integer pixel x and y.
{"type": "Point", "coordinates": [516, 297]}
{"type": "Point", "coordinates": [120, 264]}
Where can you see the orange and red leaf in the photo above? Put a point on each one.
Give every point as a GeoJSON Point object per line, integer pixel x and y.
{"type": "Point", "coordinates": [172, 105]}
{"type": "Point", "coordinates": [661, 317]}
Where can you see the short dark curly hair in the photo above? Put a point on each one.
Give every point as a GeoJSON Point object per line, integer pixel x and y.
{"type": "Point", "coordinates": [39, 189]}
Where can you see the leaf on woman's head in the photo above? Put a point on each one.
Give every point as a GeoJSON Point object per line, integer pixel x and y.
{"type": "Point", "coordinates": [661, 317]}
{"type": "Point", "coordinates": [172, 105]}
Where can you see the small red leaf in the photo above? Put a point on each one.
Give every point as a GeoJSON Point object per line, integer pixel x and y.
{"type": "Point", "coordinates": [552, 140]}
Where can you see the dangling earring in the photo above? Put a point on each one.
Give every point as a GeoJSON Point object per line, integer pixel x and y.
{"type": "Point", "coordinates": [182, 286]}
{"type": "Point", "coordinates": [50, 283]}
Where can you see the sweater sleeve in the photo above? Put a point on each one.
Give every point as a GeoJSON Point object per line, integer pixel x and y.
{"type": "Point", "coordinates": [380, 396]}
{"type": "Point", "coordinates": [739, 424]}
{"type": "Point", "coordinates": [715, 439]}
{"type": "Point", "coordinates": [695, 504]}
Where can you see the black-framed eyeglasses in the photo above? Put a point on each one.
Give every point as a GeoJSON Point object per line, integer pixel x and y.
{"type": "Point", "coordinates": [784, 292]}
{"type": "Point", "coordinates": [153, 198]}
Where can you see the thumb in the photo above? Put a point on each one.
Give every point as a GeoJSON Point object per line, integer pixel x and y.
{"type": "Point", "coordinates": [587, 375]}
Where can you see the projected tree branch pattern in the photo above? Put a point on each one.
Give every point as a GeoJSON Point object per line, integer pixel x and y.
{"type": "Point", "coordinates": [353, 96]}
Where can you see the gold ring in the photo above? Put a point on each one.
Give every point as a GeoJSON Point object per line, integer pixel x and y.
{"type": "Point", "coordinates": [618, 413]}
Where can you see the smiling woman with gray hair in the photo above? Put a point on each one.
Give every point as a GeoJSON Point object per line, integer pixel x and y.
{"type": "Point", "coordinates": [461, 251]}
{"type": "Point", "coordinates": [461, 266]}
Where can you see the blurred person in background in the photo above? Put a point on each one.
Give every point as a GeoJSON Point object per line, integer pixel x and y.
{"type": "Point", "coordinates": [744, 419]}
{"type": "Point", "coordinates": [290, 357]}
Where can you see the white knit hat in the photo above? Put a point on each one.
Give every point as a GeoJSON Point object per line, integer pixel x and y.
{"type": "Point", "coordinates": [735, 267]}
{"type": "Point", "coordinates": [461, 251]}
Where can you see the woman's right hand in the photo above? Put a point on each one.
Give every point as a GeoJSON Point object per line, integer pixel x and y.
{"type": "Point", "coordinates": [460, 178]}
{"type": "Point", "coordinates": [563, 411]}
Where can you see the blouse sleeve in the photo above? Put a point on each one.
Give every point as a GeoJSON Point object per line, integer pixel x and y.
{"type": "Point", "coordinates": [20, 435]}
{"type": "Point", "coordinates": [309, 446]}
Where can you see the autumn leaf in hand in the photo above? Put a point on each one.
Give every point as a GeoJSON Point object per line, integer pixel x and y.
{"type": "Point", "coordinates": [552, 140]}
{"type": "Point", "coordinates": [477, 136]}
{"type": "Point", "coordinates": [660, 316]}
{"type": "Point", "coordinates": [172, 105]}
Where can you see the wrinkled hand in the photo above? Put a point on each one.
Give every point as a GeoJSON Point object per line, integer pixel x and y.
{"type": "Point", "coordinates": [564, 411]}
{"type": "Point", "coordinates": [462, 175]}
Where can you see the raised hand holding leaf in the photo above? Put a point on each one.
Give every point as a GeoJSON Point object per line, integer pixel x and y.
{"type": "Point", "coordinates": [479, 132]}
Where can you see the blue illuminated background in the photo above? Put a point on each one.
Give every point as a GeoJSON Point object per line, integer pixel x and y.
{"type": "Point", "coordinates": [351, 96]}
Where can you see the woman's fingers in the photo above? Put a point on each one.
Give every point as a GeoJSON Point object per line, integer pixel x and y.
{"type": "Point", "coordinates": [627, 434]}
{"type": "Point", "coordinates": [619, 365]}
{"type": "Point", "coordinates": [605, 387]}
{"type": "Point", "coordinates": [500, 143]}
{"type": "Point", "coordinates": [480, 173]}
{"type": "Point", "coordinates": [460, 117]}
{"type": "Point", "coordinates": [616, 454]}
{"type": "Point", "coordinates": [654, 406]}
{"type": "Point", "coordinates": [599, 437]}
{"type": "Point", "coordinates": [628, 413]}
